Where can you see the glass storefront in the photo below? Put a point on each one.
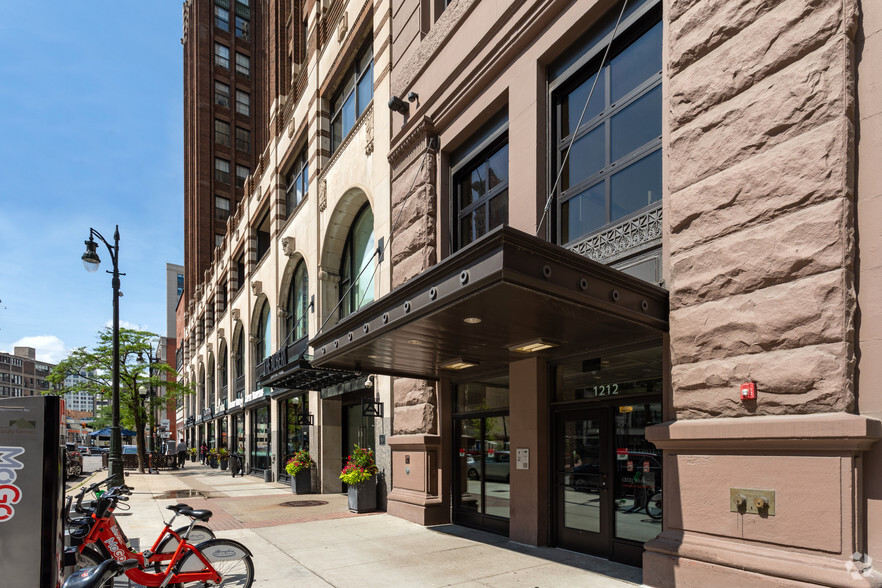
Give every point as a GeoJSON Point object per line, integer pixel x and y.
{"type": "Point", "coordinates": [605, 472]}
{"type": "Point", "coordinates": [260, 438]}
{"type": "Point", "coordinates": [239, 433]}
{"type": "Point", "coordinates": [295, 430]}
{"type": "Point", "coordinates": [209, 436]}
{"type": "Point", "coordinates": [483, 455]}
{"type": "Point", "coordinates": [222, 434]}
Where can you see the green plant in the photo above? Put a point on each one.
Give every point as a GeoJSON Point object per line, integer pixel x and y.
{"type": "Point", "coordinates": [192, 451]}
{"type": "Point", "coordinates": [299, 461]}
{"type": "Point", "coordinates": [223, 453]}
{"type": "Point", "coordinates": [360, 466]}
{"type": "Point", "coordinates": [212, 452]}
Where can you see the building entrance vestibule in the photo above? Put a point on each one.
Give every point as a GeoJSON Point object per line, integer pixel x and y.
{"type": "Point", "coordinates": [604, 470]}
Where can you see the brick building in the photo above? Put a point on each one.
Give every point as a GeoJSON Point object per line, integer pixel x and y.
{"type": "Point", "coordinates": [21, 374]}
{"type": "Point", "coordinates": [571, 293]}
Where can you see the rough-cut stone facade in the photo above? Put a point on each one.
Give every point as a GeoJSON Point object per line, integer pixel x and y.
{"type": "Point", "coordinates": [761, 240]}
{"type": "Point", "coordinates": [413, 250]}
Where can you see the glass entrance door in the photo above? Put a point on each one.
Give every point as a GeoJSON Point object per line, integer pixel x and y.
{"type": "Point", "coordinates": [582, 482]}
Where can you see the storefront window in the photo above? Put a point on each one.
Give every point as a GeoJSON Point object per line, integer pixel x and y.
{"type": "Point", "coordinates": [209, 432]}
{"type": "Point", "coordinates": [483, 452]}
{"type": "Point", "coordinates": [260, 438]}
{"type": "Point", "coordinates": [239, 433]}
{"type": "Point", "coordinates": [296, 434]}
{"type": "Point", "coordinates": [223, 433]}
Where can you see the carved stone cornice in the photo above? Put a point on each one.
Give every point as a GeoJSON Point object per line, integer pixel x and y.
{"type": "Point", "coordinates": [623, 239]}
{"type": "Point", "coordinates": [412, 145]}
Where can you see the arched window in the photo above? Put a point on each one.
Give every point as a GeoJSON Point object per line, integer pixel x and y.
{"type": "Point", "coordinates": [358, 254]}
{"type": "Point", "coordinates": [297, 321]}
{"type": "Point", "coordinates": [262, 346]}
{"type": "Point", "coordinates": [239, 363]}
{"type": "Point", "coordinates": [222, 373]}
{"type": "Point", "coordinates": [210, 383]}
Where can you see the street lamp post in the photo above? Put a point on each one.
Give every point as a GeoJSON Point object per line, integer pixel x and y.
{"type": "Point", "coordinates": [91, 262]}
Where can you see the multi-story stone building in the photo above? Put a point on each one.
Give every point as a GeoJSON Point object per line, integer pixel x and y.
{"type": "Point", "coordinates": [303, 247]}
{"type": "Point", "coordinates": [21, 374]}
{"type": "Point", "coordinates": [627, 252]}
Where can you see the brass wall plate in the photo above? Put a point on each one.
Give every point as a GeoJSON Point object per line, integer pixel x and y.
{"type": "Point", "coordinates": [749, 501]}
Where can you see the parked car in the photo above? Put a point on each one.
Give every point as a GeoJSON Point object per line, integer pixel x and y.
{"type": "Point", "coordinates": [85, 450]}
{"type": "Point", "coordinates": [73, 461]}
{"type": "Point", "coordinates": [497, 466]}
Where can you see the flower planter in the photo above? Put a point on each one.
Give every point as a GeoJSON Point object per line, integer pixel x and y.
{"type": "Point", "coordinates": [301, 482]}
{"type": "Point", "coordinates": [223, 464]}
{"type": "Point", "coordinates": [363, 496]}
{"type": "Point", "coordinates": [193, 458]}
{"type": "Point", "coordinates": [212, 462]}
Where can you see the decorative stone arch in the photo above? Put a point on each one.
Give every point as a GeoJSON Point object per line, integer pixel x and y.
{"type": "Point", "coordinates": [286, 282]}
{"type": "Point", "coordinates": [345, 211]}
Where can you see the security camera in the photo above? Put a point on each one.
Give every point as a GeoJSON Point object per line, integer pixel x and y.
{"type": "Point", "coordinates": [369, 383]}
{"type": "Point", "coordinates": [398, 105]}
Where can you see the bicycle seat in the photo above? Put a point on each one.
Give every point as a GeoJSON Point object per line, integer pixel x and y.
{"type": "Point", "coordinates": [200, 515]}
{"type": "Point", "coordinates": [177, 507]}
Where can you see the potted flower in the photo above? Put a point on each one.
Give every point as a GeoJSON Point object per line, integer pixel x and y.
{"type": "Point", "coordinates": [193, 454]}
{"type": "Point", "coordinates": [299, 467]}
{"type": "Point", "coordinates": [223, 456]}
{"type": "Point", "coordinates": [212, 457]}
{"type": "Point", "coordinates": [360, 475]}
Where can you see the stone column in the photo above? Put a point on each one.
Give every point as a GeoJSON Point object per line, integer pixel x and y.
{"type": "Point", "coordinates": [760, 212]}
{"type": "Point", "coordinates": [415, 442]}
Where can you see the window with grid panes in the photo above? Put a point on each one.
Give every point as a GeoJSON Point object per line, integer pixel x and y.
{"type": "Point", "coordinates": [297, 321]}
{"type": "Point", "coordinates": [355, 93]}
{"type": "Point", "coordinates": [243, 65]}
{"type": "Point", "coordinates": [296, 182]}
{"type": "Point", "coordinates": [243, 103]}
{"type": "Point", "coordinates": [221, 170]}
{"type": "Point", "coordinates": [221, 18]}
{"type": "Point", "coordinates": [243, 139]}
{"type": "Point", "coordinates": [480, 183]}
{"type": "Point", "coordinates": [241, 173]}
{"type": "Point", "coordinates": [222, 56]}
{"type": "Point", "coordinates": [221, 132]}
{"type": "Point", "coordinates": [221, 94]}
{"type": "Point", "coordinates": [221, 208]}
{"type": "Point", "coordinates": [614, 169]}
{"type": "Point", "coordinates": [242, 28]}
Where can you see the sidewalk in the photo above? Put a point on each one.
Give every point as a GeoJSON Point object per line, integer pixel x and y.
{"type": "Point", "coordinates": [314, 540]}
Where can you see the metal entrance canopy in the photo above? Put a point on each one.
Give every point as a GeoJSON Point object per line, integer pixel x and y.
{"type": "Point", "coordinates": [291, 368]}
{"type": "Point", "coordinates": [505, 297]}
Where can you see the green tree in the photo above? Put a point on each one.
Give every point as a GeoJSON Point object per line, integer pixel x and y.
{"type": "Point", "coordinates": [95, 366]}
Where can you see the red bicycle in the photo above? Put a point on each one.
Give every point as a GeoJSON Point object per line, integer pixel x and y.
{"type": "Point", "coordinates": [89, 554]}
{"type": "Point", "coordinates": [220, 561]}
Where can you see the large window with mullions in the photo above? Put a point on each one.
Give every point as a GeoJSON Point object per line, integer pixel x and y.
{"type": "Point", "coordinates": [614, 167]}
{"type": "Point", "coordinates": [480, 182]}
{"type": "Point", "coordinates": [355, 93]}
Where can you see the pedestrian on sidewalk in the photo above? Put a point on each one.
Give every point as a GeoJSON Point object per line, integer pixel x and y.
{"type": "Point", "coordinates": [203, 453]}
{"type": "Point", "coordinates": [182, 453]}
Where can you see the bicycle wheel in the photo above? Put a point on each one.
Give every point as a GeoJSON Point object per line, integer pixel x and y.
{"type": "Point", "coordinates": [230, 559]}
{"type": "Point", "coordinates": [654, 506]}
{"type": "Point", "coordinates": [89, 558]}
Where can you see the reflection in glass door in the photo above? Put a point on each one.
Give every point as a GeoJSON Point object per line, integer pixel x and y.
{"type": "Point", "coordinates": [581, 482]}
{"type": "Point", "coordinates": [484, 472]}
{"type": "Point", "coordinates": [357, 430]}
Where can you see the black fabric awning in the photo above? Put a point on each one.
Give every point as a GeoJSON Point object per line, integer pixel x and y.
{"type": "Point", "coordinates": [505, 291]}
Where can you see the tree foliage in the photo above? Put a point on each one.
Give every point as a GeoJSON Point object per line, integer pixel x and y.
{"type": "Point", "coordinates": [95, 368]}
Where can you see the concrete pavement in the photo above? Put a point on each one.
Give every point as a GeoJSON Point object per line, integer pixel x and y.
{"type": "Point", "coordinates": [313, 540]}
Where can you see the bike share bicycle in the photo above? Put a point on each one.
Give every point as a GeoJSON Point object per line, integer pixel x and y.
{"type": "Point", "coordinates": [214, 560]}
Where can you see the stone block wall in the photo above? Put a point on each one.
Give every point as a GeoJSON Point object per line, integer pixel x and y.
{"type": "Point", "coordinates": [760, 207]}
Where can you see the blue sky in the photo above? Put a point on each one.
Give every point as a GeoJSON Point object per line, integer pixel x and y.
{"type": "Point", "coordinates": [91, 135]}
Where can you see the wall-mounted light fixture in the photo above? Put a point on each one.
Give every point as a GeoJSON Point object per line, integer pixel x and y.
{"type": "Point", "coordinates": [398, 105]}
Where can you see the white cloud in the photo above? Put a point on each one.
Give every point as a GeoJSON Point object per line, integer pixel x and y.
{"type": "Point", "coordinates": [49, 348]}
{"type": "Point", "coordinates": [127, 325]}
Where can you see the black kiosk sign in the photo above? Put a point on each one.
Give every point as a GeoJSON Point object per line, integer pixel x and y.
{"type": "Point", "coordinates": [31, 491]}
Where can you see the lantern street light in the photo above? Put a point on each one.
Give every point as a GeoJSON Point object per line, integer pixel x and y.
{"type": "Point", "coordinates": [91, 262]}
